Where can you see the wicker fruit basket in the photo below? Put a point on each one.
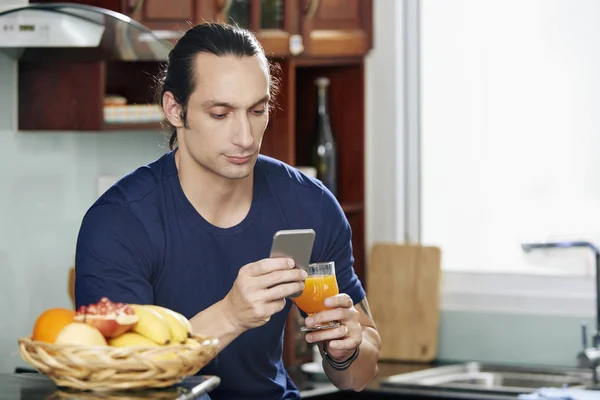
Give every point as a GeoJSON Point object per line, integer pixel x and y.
{"type": "Point", "coordinates": [106, 368]}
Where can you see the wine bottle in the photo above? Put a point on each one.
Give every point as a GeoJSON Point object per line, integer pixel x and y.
{"type": "Point", "coordinates": [324, 152]}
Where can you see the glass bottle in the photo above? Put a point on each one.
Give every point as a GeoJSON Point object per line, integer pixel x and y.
{"type": "Point", "coordinates": [324, 152]}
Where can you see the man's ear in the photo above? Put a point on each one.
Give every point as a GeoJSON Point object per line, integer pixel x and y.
{"type": "Point", "coordinates": [172, 110]}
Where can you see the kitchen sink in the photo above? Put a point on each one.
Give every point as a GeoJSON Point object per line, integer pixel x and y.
{"type": "Point", "coordinates": [489, 378]}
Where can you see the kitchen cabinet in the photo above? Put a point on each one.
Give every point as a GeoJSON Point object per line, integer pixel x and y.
{"type": "Point", "coordinates": [285, 28]}
{"type": "Point", "coordinates": [336, 28]}
{"type": "Point", "coordinates": [310, 32]}
{"type": "Point", "coordinates": [276, 26]}
{"type": "Point", "coordinates": [274, 22]}
{"type": "Point", "coordinates": [309, 28]}
{"type": "Point", "coordinates": [305, 28]}
{"type": "Point", "coordinates": [175, 17]}
{"type": "Point", "coordinates": [57, 95]}
{"type": "Point", "coordinates": [160, 14]}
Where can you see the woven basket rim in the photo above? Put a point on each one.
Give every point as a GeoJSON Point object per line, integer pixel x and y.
{"type": "Point", "coordinates": [101, 368]}
{"type": "Point", "coordinates": [202, 339]}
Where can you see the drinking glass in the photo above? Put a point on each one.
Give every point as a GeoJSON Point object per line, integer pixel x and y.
{"type": "Point", "coordinates": [320, 284]}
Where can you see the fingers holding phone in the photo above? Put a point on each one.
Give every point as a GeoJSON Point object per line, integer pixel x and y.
{"type": "Point", "coordinates": [260, 289]}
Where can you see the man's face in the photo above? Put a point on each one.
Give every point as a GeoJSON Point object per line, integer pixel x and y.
{"type": "Point", "coordinates": [227, 114]}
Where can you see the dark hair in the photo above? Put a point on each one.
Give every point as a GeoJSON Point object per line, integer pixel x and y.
{"type": "Point", "coordinates": [219, 39]}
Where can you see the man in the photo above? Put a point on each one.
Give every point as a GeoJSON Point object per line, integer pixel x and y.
{"type": "Point", "coordinates": [192, 230]}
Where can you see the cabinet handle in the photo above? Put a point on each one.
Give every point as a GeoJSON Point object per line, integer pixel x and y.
{"type": "Point", "coordinates": [136, 6]}
{"type": "Point", "coordinates": [225, 7]}
{"type": "Point", "coordinates": [311, 9]}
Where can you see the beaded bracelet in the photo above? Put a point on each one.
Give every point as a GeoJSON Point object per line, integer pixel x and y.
{"type": "Point", "coordinates": [343, 365]}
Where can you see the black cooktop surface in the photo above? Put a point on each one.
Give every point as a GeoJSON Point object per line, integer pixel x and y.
{"type": "Point", "coordinates": [33, 386]}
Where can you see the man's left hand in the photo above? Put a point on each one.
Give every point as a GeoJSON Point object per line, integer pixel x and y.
{"type": "Point", "coordinates": [343, 340]}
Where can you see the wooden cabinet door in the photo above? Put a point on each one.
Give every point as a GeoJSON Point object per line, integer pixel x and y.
{"type": "Point", "coordinates": [272, 21]}
{"type": "Point", "coordinates": [336, 28]}
{"type": "Point", "coordinates": [276, 23]}
{"type": "Point", "coordinates": [114, 5]}
{"type": "Point", "coordinates": [177, 16]}
{"type": "Point", "coordinates": [211, 10]}
{"type": "Point", "coordinates": [163, 15]}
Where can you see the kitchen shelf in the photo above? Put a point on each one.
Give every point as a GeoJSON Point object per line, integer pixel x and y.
{"type": "Point", "coordinates": [296, 123]}
{"type": "Point", "coordinates": [69, 95]}
{"type": "Point", "coordinates": [352, 208]}
{"type": "Point", "coordinates": [147, 126]}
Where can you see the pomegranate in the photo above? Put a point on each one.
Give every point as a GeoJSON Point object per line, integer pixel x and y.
{"type": "Point", "coordinates": [111, 319]}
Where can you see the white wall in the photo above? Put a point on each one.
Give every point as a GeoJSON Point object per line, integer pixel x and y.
{"type": "Point", "coordinates": [384, 126]}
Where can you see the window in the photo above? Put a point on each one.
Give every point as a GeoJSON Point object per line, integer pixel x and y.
{"type": "Point", "coordinates": [510, 132]}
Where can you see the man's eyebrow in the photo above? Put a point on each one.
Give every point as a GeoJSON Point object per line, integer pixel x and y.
{"type": "Point", "coordinates": [217, 103]}
{"type": "Point", "coordinates": [263, 100]}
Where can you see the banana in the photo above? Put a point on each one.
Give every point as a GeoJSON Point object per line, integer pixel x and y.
{"type": "Point", "coordinates": [151, 324]}
{"type": "Point", "coordinates": [179, 330]}
{"type": "Point", "coordinates": [192, 343]}
{"type": "Point", "coordinates": [187, 323]}
{"type": "Point", "coordinates": [131, 339]}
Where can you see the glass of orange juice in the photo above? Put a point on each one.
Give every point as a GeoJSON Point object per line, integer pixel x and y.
{"type": "Point", "coordinates": [320, 284]}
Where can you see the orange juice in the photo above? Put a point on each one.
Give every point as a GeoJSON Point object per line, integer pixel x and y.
{"type": "Point", "coordinates": [316, 289]}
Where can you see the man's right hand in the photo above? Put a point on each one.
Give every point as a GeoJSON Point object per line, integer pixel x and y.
{"type": "Point", "coordinates": [260, 289]}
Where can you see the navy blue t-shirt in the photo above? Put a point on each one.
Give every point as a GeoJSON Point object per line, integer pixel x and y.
{"type": "Point", "coordinates": [143, 242]}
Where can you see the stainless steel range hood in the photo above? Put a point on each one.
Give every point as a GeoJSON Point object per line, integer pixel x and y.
{"type": "Point", "coordinates": [55, 31]}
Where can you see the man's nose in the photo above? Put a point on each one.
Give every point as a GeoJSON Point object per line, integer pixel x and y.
{"type": "Point", "coordinates": [243, 135]}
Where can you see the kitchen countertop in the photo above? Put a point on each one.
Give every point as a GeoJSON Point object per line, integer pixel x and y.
{"type": "Point", "coordinates": [34, 386]}
{"type": "Point", "coordinates": [309, 389]}
{"type": "Point", "coordinates": [307, 383]}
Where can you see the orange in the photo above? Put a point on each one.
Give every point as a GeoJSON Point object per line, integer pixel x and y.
{"type": "Point", "coordinates": [49, 324]}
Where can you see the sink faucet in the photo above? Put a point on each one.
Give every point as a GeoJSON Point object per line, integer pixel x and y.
{"type": "Point", "coordinates": [590, 356]}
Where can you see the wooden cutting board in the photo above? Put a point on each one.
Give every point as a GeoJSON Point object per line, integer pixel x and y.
{"type": "Point", "coordinates": [403, 289]}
